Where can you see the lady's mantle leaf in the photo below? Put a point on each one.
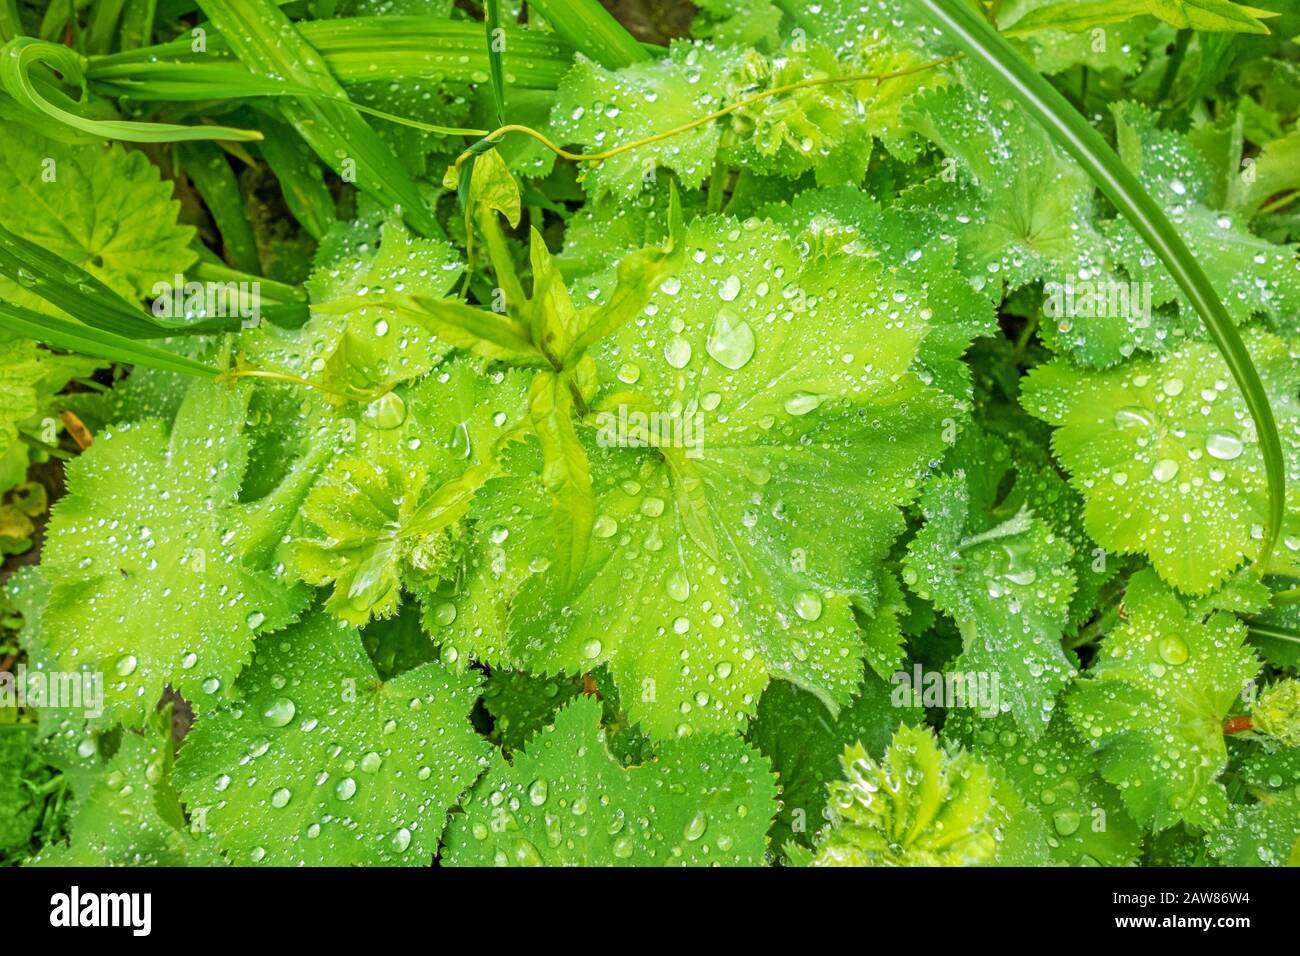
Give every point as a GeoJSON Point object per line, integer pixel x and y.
{"type": "Point", "coordinates": [156, 575]}
{"type": "Point", "coordinates": [1085, 820]}
{"type": "Point", "coordinates": [1008, 588]}
{"type": "Point", "coordinates": [917, 806]}
{"type": "Point", "coordinates": [323, 764]}
{"type": "Point", "coordinates": [104, 209]}
{"type": "Point", "coordinates": [1165, 454]}
{"type": "Point", "coordinates": [566, 801]}
{"type": "Point", "coordinates": [1154, 706]}
{"type": "Point", "coordinates": [786, 428]}
{"type": "Point", "coordinates": [600, 109]}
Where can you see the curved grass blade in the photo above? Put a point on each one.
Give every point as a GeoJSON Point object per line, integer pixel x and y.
{"type": "Point", "coordinates": [22, 53]}
{"type": "Point", "coordinates": [66, 334]}
{"type": "Point", "coordinates": [1077, 137]}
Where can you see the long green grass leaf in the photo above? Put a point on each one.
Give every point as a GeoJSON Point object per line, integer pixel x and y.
{"type": "Point", "coordinates": [1077, 137]}
{"type": "Point", "coordinates": [66, 334]}
{"type": "Point", "coordinates": [362, 50]}
{"type": "Point", "coordinates": [270, 45]}
{"type": "Point", "coordinates": [496, 51]}
{"type": "Point", "coordinates": [209, 170]}
{"type": "Point", "coordinates": [591, 28]}
{"type": "Point", "coordinates": [72, 289]}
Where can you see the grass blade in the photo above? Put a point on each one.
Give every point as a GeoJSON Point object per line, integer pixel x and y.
{"type": "Point", "coordinates": [360, 50]}
{"type": "Point", "coordinates": [22, 53]}
{"type": "Point", "coordinates": [1077, 137]}
{"type": "Point", "coordinates": [66, 334]}
{"type": "Point", "coordinates": [270, 45]}
{"type": "Point", "coordinates": [591, 28]}
{"type": "Point", "coordinates": [209, 169]}
{"type": "Point", "coordinates": [10, 25]}
{"type": "Point", "coordinates": [73, 289]}
{"type": "Point", "coordinates": [496, 53]}
{"type": "Point", "coordinates": [299, 175]}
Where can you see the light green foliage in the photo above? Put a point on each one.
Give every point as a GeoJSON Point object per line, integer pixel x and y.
{"type": "Point", "coordinates": [1154, 703]}
{"type": "Point", "coordinates": [104, 209]}
{"type": "Point", "coordinates": [1267, 831]}
{"type": "Point", "coordinates": [740, 586]}
{"type": "Point", "coordinates": [720, 434]}
{"type": "Point", "coordinates": [1252, 275]}
{"type": "Point", "coordinates": [1165, 455]}
{"type": "Point", "coordinates": [918, 805]}
{"type": "Point", "coordinates": [321, 763]}
{"type": "Point", "coordinates": [1085, 821]}
{"type": "Point", "coordinates": [565, 801]}
{"type": "Point", "coordinates": [599, 109]}
{"type": "Point", "coordinates": [1277, 712]}
{"type": "Point", "coordinates": [155, 578]}
{"type": "Point", "coordinates": [1008, 587]}
{"type": "Point", "coordinates": [804, 741]}
{"type": "Point", "coordinates": [131, 815]}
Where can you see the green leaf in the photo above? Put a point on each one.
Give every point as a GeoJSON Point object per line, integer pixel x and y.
{"type": "Point", "coordinates": [1154, 702]}
{"type": "Point", "coordinates": [794, 730]}
{"type": "Point", "coordinates": [1073, 133]}
{"type": "Point", "coordinates": [131, 815]}
{"type": "Point", "coordinates": [269, 44]}
{"type": "Point", "coordinates": [1008, 588]}
{"type": "Point", "coordinates": [105, 210]}
{"type": "Point", "coordinates": [918, 805]}
{"type": "Point", "coordinates": [1253, 275]}
{"type": "Point", "coordinates": [521, 705]}
{"type": "Point", "coordinates": [565, 800]}
{"type": "Point", "coordinates": [150, 563]}
{"type": "Point", "coordinates": [566, 472]}
{"type": "Point", "coordinates": [1265, 832]}
{"type": "Point", "coordinates": [789, 430]}
{"type": "Point", "coordinates": [321, 763]}
{"type": "Point", "coordinates": [599, 108]}
{"type": "Point", "coordinates": [1166, 457]}
{"type": "Point", "coordinates": [387, 515]}
{"type": "Point", "coordinates": [1087, 824]}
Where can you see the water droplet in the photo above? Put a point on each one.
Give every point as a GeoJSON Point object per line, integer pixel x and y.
{"type": "Point", "coordinates": [678, 586]}
{"type": "Point", "coordinates": [1066, 822]}
{"type": "Point", "coordinates": [346, 789]}
{"type": "Point", "coordinates": [280, 798]}
{"type": "Point", "coordinates": [677, 352]}
{"type": "Point", "coordinates": [126, 665]}
{"type": "Point", "coordinates": [537, 791]}
{"type": "Point", "coordinates": [696, 827]}
{"type": "Point", "coordinates": [385, 412]}
{"type": "Point", "coordinates": [729, 289]}
{"type": "Point", "coordinates": [801, 403]}
{"type": "Point", "coordinates": [808, 605]}
{"type": "Point", "coordinates": [731, 341]}
{"type": "Point", "coordinates": [371, 762]}
{"type": "Point", "coordinates": [1172, 649]}
{"type": "Point", "coordinates": [279, 712]}
{"type": "Point", "coordinates": [1165, 470]}
{"type": "Point", "coordinates": [1224, 446]}
{"type": "Point", "coordinates": [591, 649]}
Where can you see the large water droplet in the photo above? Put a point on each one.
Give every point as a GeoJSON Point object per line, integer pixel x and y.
{"type": "Point", "coordinates": [808, 605]}
{"type": "Point", "coordinates": [1172, 649]}
{"type": "Point", "coordinates": [731, 341]}
{"type": "Point", "coordinates": [279, 712]}
{"type": "Point", "coordinates": [1224, 446]}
